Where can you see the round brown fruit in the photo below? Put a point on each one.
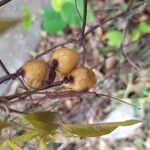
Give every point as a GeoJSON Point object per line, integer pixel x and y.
{"type": "Point", "coordinates": [81, 79]}
{"type": "Point", "coordinates": [67, 60]}
{"type": "Point", "coordinates": [35, 73]}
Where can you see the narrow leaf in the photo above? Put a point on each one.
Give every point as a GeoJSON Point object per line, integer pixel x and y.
{"type": "Point", "coordinates": [13, 146]}
{"type": "Point", "coordinates": [44, 122]}
{"type": "Point", "coordinates": [95, 130]}
{"type": "Point", "coordinates": [6, 24]}
{"type": "Point", "coordinates": [45, 117]}
{"type": "Point", "coordinates": [25, 137]}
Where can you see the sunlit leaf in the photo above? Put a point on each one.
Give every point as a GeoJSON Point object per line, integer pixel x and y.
{"type": "Point", "coordinates": [27, 17]}
{"type": "Point", "coordinates": [114, 38]}
{"type": "Point", "coordinates": [3, 124]}
{"type": "Point", "coordinates": [95, 130]}
{"type": "Point", "coordinates": [57, 4]}
{"type": "Point", "coordinates": [6, 24]}
{"type": "Point", "coordinates": [44, 122]}
{"type": "Point", "coordinates": [25, 137]}
{"type": "Point", "coordinates": [144, 27]}
{"type": "Point", "coordinates": [135, 34]}
{"type": "Point", "coordinates": [52, 21]}
{"type": "Point", "coordinates": [13, 146]}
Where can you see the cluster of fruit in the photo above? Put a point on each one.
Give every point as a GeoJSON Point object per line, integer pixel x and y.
{"type": "Point", "coordinates": [65, 61]}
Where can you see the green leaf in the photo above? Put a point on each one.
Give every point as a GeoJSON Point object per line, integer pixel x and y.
{"type": "Point", "coordinates": [25, 137]}
{"type": "Point", "coordinates": [70, 15]}
{"type": "Point", "coordinates": [3, 124]}
{"type": "Point", "coordinates": [125, 6]}
{"type": "Point", "coordinates": [95, 130]}
{"type": "Point", "coordinates": [89, 10]}
{"type": "Point", "coordinates": [135, 34]}
{"type": "Point", "coordinates": [52, 21]}
{"type": "Point", "coordinates": [144, 27]}
{"type": "Point", "coordinates": [57, 4]}
{"type": "Point", "coordinates": [27, 17]}
{"type": "Point", "coordinates": [102, 51]}
{"type": "Point", "coordinates": [114, 38]}
{"type": "Point", "coordinates": [44, 122]}
{"type": "Point", "coordinates": [13, 146]}
{"type": "Point", "coordinates": [6, 24]}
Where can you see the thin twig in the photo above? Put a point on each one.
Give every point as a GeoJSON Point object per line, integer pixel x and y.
{"type": "Point", "coordinates": [4, 68]}
{"type": "Point", "coordinates": [16, 111]}
{"type": "Point", "coordinates": [31, 92]}
{"type": "Point", "coordinates": [118, 99]}
{"type": "Point", "coordinates": [52, 95]}
{"type": "Point", "coordinates": [84, 21]}
{"type": "Point", "coordinates": [54, 47]}
{"type": "Point", "coordinates": [63, 94]}
{"type": "Point", "coordinates": [78, 10]}
{"type": "Point", "coordinates": [122, 43]}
